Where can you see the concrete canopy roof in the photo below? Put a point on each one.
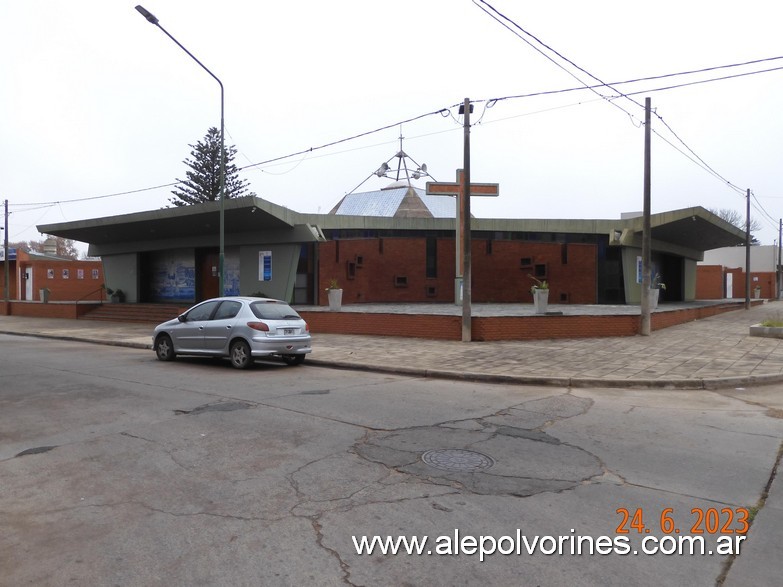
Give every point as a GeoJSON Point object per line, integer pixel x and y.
{"type": "Point", "coordinates": [248, 214]}
{"type": "Point", "coordinates": [694, 228]}
{"type": "Point", "coordinates": [688, 232]}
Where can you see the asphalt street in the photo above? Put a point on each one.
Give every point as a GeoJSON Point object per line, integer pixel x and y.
{"type": "Point", "coordinates": [117, 469]}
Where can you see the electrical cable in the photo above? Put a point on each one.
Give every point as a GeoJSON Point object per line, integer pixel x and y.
{"type": "Point", "coordinates": [339, 141]}
{"type": "Point", "coordinates": [446, 112]}
{"type": "Point", "coordinates": [165, 185]}
{"type": "Point", "coordinates": [487, 7]}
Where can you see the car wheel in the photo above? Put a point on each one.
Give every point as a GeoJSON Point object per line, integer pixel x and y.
{"type": "Point", "coordinates": [240, 354]}
{"type": "Point", "coordinates": [294, 359]}
{"type": "Point", "coordinates": [164, 349]}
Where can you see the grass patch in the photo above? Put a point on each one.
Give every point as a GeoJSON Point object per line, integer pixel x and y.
{"type": "Point", "coordinates": [773, 321]}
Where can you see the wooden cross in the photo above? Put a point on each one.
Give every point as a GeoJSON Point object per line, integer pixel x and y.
{"type": "Point", "coordinates": [457, 188]}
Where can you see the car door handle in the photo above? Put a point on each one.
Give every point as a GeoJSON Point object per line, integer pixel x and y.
{"type": "Point", "coordinates": [228, 327]}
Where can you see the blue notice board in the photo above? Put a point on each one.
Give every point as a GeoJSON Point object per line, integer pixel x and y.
{"type": "Point", "coordinates": [264, 265]}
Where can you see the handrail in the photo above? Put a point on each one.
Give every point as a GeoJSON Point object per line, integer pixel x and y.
{"type": "Point", "coordinates": [101, 288]}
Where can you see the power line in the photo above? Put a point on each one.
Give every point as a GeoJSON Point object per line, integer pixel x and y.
{"type": "Point", "coordinates": [503, 20]}
{"type": "Point", "coordinates": [446, 112]}
{"type": "Point", "coordinates": [651, 78]}
{"type": "Point", "coordinates": [52, 203]}
{"type": "Point", "coordinates": [761, 209]}
{"type": "Point", "coordinates": [351, 138]}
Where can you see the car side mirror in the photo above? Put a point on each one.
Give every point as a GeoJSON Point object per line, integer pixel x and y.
{"type": "Point", "coordinates": [182, 318]}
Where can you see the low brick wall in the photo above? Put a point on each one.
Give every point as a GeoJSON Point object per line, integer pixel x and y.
{"type": "Point", "coordinates": [417, 326]}
{"type": "Point", "coordinates": [501, 327]}
{"type": "Point", "coordinates": [40, 310]}
{"type": "Point", "coordinates": [547, 327]}
{"type": "Point", "coordinates": [440, 327]}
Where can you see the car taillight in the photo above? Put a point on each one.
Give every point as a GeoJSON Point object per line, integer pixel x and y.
{"type": "Point", "coordinates": [258, 326]}
{"type": "Point", "coordinates": [307, 327]}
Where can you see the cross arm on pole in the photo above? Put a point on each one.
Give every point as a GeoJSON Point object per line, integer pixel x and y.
{"type": "Point", "coordinates": [445, 188]}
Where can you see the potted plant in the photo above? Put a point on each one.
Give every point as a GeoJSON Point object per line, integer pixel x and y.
{"type": "Point", "coordinates": [115, 295]}
{"type": "Point", "coordinates": [335, 295]}
{"type": "Point", "coordinates": [540, 291]}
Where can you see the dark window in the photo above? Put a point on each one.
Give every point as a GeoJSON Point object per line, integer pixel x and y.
{"type": "Point", "coordinates": [202, 311]}
{"type": "Point", "coordinates": [489, 246]}
{"type": "Point", "coordinates": [273, 311]}
{"type": "Point", "coordinates": [525, 262]}
{"type": "Point", "coordinates": [400, 281]}
{"type": "Point", "coordinates": [564, 254]}
{"type": "Point", "coordinates": [540, 270]}
{"type": "Point", "coordinates": [227, 310]}
{"type": "Point", "coordinates": [432, 257]}
{"type": "Point", "coordinates": [351, 272]}
{"type": "Point", "coordinates": [432, 291]}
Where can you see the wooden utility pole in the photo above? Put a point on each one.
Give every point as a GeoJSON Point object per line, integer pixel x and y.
{"type": "Point", "coordinates": [463, 189]}
{"type": "Point", "coordinates": [646, 237]}
{"type": "Point", "coordinates": [7, 285]}
{"type": "Point", "coordinates": [466, 240]}
{"type": "Point", "coordinates": [747, 253]}
{"type": "Point", "coordinates": [780, 248]}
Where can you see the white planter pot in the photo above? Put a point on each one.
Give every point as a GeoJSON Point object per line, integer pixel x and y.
{"type": "Point", "coordinates": [541, 300]}
{"type": "Point", "coordinates": [335, 299]}
{"type": "Point", "coordinates": [654, 293]}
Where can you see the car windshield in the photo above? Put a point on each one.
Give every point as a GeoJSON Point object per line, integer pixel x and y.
{"type": "Point", "coordinates": [273, 311]}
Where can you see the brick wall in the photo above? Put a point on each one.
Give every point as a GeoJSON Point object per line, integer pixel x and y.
{"type": "Point", "coordinates": [499, 327]}
{"type": "Point", "coordinates": [394, 270]}
{"type": "Point", "coordinates": [53, 310]}
{"type": "Point", "coordinates": [439, 327]}
{"type": "Point", "coordinates": [709, 282]}
{"type": "Point", "coordinates": [766, 281]}
{"type": "Point", "coordinates": [65, 280]}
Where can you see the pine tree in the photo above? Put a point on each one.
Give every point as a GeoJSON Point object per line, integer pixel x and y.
{"type": "Point", "coordinates": [203, 177]}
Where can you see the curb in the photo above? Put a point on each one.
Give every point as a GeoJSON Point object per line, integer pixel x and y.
{"type": "Point", "coordinates": [573, 382]}
{"type": "Point", "coordinates": [120, 343]}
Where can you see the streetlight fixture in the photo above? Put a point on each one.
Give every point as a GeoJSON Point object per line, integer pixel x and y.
{"type": "Point", "coordinates": [153, 20]}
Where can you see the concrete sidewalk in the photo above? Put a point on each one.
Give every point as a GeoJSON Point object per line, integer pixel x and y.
{"type": "Point", "coordinates": [715, 352]}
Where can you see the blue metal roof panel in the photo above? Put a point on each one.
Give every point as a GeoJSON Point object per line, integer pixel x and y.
{"type": "Point", "coordinates": [384, 203]}
{"type": "Point", "coordinates": [381, 203]}
{"type": "Point", "coordinates": [439, 206]}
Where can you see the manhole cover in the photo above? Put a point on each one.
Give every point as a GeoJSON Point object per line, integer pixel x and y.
{"type": "Point", "coordinates": [457, 459]}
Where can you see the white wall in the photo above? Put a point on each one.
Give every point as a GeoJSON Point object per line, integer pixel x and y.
{"type": "Point", "coordinates": [762, 258]}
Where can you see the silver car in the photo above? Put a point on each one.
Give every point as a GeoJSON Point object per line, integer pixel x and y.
{"type": "Point", "coordinates": [240, 328]}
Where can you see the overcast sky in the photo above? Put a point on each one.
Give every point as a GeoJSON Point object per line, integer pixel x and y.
{"type": "Point", "coordinates": [96, 101]}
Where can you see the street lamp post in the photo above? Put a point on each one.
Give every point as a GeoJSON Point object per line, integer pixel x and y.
{"type": "Point", "coordinates": [153, 19]}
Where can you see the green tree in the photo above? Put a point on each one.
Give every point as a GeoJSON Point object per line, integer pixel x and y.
{"type": "Point", "coordinates": [203, 177]}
